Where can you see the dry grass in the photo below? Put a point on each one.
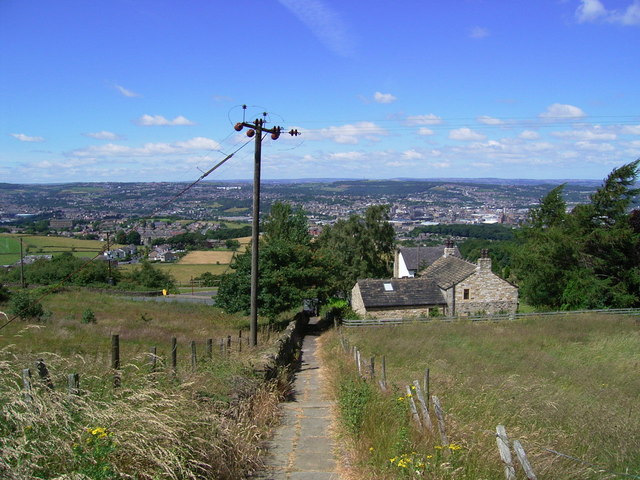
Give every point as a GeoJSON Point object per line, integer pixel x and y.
{"type": "Point", "coordinates": [206, 423]}
{"type": "Point", "coordinates": [203, 257]}
{"type": "Point", "coordinates": [569, 385]}
{"type": "Point", "coordinates": [182, 273]}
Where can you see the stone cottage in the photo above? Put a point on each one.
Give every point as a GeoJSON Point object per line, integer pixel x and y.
{"type": "Point", "coordinates": [397, 297]}
{"type": "Point", "coordinates": [409, 261]}
{"type": "Point", "coordinates": [472, 288]}
{"type": "Point", "coordinates": [450, 285]}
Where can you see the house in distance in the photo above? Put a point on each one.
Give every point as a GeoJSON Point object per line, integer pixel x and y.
{"type": "Point", "coordinates": [449, 286]}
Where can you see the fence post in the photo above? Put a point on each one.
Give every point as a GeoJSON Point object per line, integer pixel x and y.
{"type": "Point", "coordinates": [210, 348]}
{"type": "Point", "coordinates": [228, 344]}
{"type": "Point", "coordinates": [174, 355]}
{"type": "Point", "coordinates": [115, 359]}
{"type": "Point", "coordinates": [437, 408]}
{"type": "Point", "coordinates": [383, 380]}
{"type": "Point", "coordinates": [26, 384]}
{"type": "Point", "coordinates": [425, 384]}
{"type": "Point", "coordinates": [193, 356]}
{"type": "Point", "coordinates": [372, 369]}
{"type": "Point", "coordinates": [43, 371]}
{"type": "Point", "coordinates": [73, 383]}
{"type": "Point", "coordinates": [412, 406]}
{"type": "Point", "coordinates": [505, 454]}
{"type": "Point", "coordinates": [222, 346]}
{"type": "Point", "coordinates": [524, 461]}
{"type": "Point", "coordinates": [423, 405]}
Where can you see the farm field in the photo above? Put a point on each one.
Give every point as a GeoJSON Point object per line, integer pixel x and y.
{"type": "Point", "coordinates": [43, 245]}
{"type": "Point", "coordinates": [201, 257]}
{"type": "Point", "coordinates": [569, 385]}
{"type": "Point", "coordinates": [183, 273]}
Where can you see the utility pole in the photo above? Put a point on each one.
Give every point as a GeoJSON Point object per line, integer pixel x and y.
{"type": "Point", "coordinates": [257, 128]}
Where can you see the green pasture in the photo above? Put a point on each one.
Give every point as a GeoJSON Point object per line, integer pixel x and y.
{"type": "Point", "coordinates": [43, 245]}
{"type": "Point", "coordinates": [566, 384]}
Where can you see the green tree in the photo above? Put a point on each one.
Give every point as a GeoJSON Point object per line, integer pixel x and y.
{"type": "Point", "coordinates": [148, 276]}
{"type": "Point", "coordinates": [25, 307]}
{"type": "Point", "coordinates": [121, 237]}
{"type": "Point", "coordinates": [290, 268]}
{"type": "Point", "coordinates": [133, 238]}
{"type": "Point", "coordinates": [360, 247]}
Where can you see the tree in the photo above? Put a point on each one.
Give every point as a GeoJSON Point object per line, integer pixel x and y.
{"type": "Point", "coordinates": [146, 275]}
{"type": "Point", "coordinates": [25, 307]}
{"type": "Point", "coordinates": [290, 268]}
{"type": "Point", "coordinates": [133, 238]}
{"type": "Point", "coordinates": [589, 258]}
{"type": "Point", "coordinates": [360, 247]}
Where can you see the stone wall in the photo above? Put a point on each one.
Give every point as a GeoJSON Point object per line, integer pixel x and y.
{"type": "Point", "coordinates": [488, 293]}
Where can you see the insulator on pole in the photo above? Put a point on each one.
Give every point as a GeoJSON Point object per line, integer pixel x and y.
{"type": "Point", "coordinates": [237, 127]}
{"type": "Point", "coordinates": [251, 132]}
{"type": "Point", "coordinates": [276, 133]}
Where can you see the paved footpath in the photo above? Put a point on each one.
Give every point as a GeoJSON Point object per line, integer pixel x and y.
{"type": "Point", "coordinates": [301, 448]}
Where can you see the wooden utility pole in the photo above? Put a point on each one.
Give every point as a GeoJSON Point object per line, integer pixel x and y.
{"type": "Point", "coordinates": [257, 128]}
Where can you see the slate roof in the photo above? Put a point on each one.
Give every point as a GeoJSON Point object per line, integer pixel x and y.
{"type": "Point", "coordinates": [447, 271]}
{"type": "Point", "coordinates": [416, 258]}
{"type": "Point", "coordinates": [405, 292]}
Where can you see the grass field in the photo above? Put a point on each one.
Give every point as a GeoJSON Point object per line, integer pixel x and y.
{"type": "Point", "coordinates": [202, 257]}
{"type": "Point", "coordinates": [181, 272]}
{"type": "Point", "coordinates": [568, 385]}
{"type": "Point", "coordinates": [203, 420]}
{"type": "Point", "coordinates": [43, 245]}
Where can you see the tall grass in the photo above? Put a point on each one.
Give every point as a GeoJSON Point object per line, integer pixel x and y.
{"type": "Point", "coordinates": [567, 385]}
{"type": "Point", "coordinates": [205, 423]}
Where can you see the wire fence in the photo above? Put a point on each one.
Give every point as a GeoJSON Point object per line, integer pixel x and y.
{"type": "Point", "coordinates": [378, 322]}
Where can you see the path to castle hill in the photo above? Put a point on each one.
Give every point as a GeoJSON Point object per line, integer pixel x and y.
{"type": "Point", "coordinates": [302, 448]}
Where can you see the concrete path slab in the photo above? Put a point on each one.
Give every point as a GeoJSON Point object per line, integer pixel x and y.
{"type": "Point", "coordinates": [302, 447]}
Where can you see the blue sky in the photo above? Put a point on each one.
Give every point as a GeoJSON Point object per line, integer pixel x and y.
{"type": "Point", "coordinates": [149, 90]}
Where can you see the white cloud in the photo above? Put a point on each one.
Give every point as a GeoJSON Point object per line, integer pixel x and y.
{"type": "Point", "coordinates": [428, 119]}
{"type": "Point", "coordinates": [595, 133]}
{"type": "Point", "coordinates": [489, 120]}
{"type": "Point", "coordinates": [125, 92]}
{"type": "Point", "coordinates": [440, 164]}
{"type": "Point", "coordinates": [103, 135]}
{"type": "Point", "coordinates": [347, 134]}
{"type": "Point", "coordinates": [594, 10]}
{"type": "Point", "coordinates": [412, 154]}
{"type": "Point", "coordinates": [148, 149]}
{"type": "Point", "coordinates": [346, 156]}
{"type": "Point", "coordinates": [155, 120]}
{"type": "Point", "coordinates": [594, 147]}
{"type": "Point", "coordinates": [325, 23]}
{"type": "Point", "coordinates": [631, 129]}
{"type": "Point", "coordinates": [425, 131]}
{"type": "Point", "coordinates": [562, 111]}
{"type": "Point", "coordinates": [465, 134]}
{"type": "Point", "coordinates": [529, 135]}
{"type": "Point", "coordinates": [590, 10]}
{"type": "Point", "coordinates": [478, 32]}
{"type": "Point", "coordinates": [384, 97]}
{"type": "Point", "coordinates": [26, 138]}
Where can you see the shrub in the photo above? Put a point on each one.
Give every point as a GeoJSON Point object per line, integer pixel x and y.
{"type": "Point", "coordinates": [25, 307]}
{"type": "Point", "coordinates": [88, 316]}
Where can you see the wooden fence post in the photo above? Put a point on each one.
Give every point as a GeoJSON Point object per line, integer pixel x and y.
{"type": "Point", "coordinates": [524, 461]}
{"type": "Point", "coordinates": [425, 385]}
{"type": "Point", "coordinates": [26, 384]}
{"type": "Point", "coordinates": [372, 368]}
{"type": "Point", "coordinates": [229, 345]}
{"type": "Point", "coordinates": [115, 359]}
{"type": "Point", "coordinates": [412, 407]}
{"type": "Point", "coordinates": [193, 356]}
{"type": "Point", "coordinates": [383, 380]}
{"type": "Point", "coordinates": [210, 348]}
{"type": "Point", "coordinates": [423, 405]}
{"type": "Point", "coordinates": [174, 355]}
{"type": "Point", "coordinates": [437, 408]}
{"type": "Point", "coordinates": [505, 453]}
{"type": "Point", "coordinates": [73, 384]}
{"type": "Point", "coordinates": [43, 371]}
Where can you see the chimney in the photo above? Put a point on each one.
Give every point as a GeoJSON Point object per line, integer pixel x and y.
{"type": "Point", "coordinates": [449, 249]}
{"type": "Point", "coordinates": [484, 262]}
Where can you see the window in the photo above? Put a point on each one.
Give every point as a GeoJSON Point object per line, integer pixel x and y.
{"type": "Point", "coordinates": [388, 287]}
{"type": "Point", "coordinates": [465, 294]}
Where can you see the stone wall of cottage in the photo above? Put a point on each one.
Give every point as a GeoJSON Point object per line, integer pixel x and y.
{"type": "Point", "coordinates": [488, 293]}
{"type": "Point", "coordinates": [357, 304]}
{"type": "Point", "coordinates": [402, 312]}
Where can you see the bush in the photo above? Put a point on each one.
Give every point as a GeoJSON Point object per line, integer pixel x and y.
{"type": "Point", "coordinates": [337, 308]}
{"type": "Point", "coordinates": [4, 293]}
{"type": "Point", "coordinates": [88, 316]}
{"type": "Point", "coordinates": [25, 307]}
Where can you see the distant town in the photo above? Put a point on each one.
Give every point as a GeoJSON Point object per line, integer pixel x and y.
{"type": "Point", "coordinates": [164, 210]}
